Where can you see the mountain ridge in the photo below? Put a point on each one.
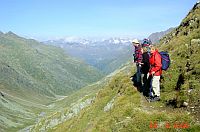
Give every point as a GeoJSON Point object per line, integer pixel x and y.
{"type": "Point", "coordinates": [155, 37]}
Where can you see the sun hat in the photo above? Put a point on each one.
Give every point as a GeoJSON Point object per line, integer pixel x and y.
{"type": "Point", "coordinates": [135, 41]}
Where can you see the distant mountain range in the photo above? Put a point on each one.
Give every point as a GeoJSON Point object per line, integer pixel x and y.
{"type": "Point", "coordinates": [107, 54]}
{"type": "Point", "coordinates": [90, 42]}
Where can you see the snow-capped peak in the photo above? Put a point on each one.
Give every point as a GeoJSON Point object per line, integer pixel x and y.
{"type": "Point", "coordinates": [73, 39]}
{"type": "Point", "coordinates": [119, 40]}
{"type": "Point", "coordinates": [93, 42]}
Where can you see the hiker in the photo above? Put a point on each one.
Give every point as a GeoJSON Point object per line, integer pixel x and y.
{"type": "Point", "coordinates": [144, 69]}
{"type": "Point", "coordinates": [137, 59]}
{"type": "Point", "coordinates": [146, 42]}
{"type": "Point", "coordinates": [155, 72]}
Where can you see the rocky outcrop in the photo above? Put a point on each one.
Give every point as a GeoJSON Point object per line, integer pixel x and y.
{"type": "Point", "coordinates": [54, 120]}
{"type": "Point", "coordinates": [109, 105]}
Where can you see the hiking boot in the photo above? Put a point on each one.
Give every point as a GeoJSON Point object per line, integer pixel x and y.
{"type": "Point", "coordinates": [157, 98]}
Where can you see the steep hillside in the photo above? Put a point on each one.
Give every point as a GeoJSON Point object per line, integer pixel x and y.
{"type": "Point", "coordinates": [27, 65]}
{"type": "Point", "coordinates": [32, 75]}
{"type": "Point", "coordinates": [183, 77]}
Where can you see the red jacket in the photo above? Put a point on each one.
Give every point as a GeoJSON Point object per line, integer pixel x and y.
{"type": "Point", "coordinates": [155, 63]}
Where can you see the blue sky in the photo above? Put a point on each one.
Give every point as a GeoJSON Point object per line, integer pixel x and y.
{"type": "Point", "coordinates": [44, 19]}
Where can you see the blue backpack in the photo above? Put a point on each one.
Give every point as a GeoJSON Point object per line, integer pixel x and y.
{"type": "Point", "coordinates": [165, 60]}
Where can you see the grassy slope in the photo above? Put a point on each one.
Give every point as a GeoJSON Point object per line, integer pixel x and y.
{"type": "Point", "coordinates": [32, 75]}
{"type": "Point", "coordinates": [129, 111]}
{"type": "Point", "coordinates": [184, 73]}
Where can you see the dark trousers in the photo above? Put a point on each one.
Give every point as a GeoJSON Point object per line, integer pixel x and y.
{"type": "Point", "coordinates": [147, 89]}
